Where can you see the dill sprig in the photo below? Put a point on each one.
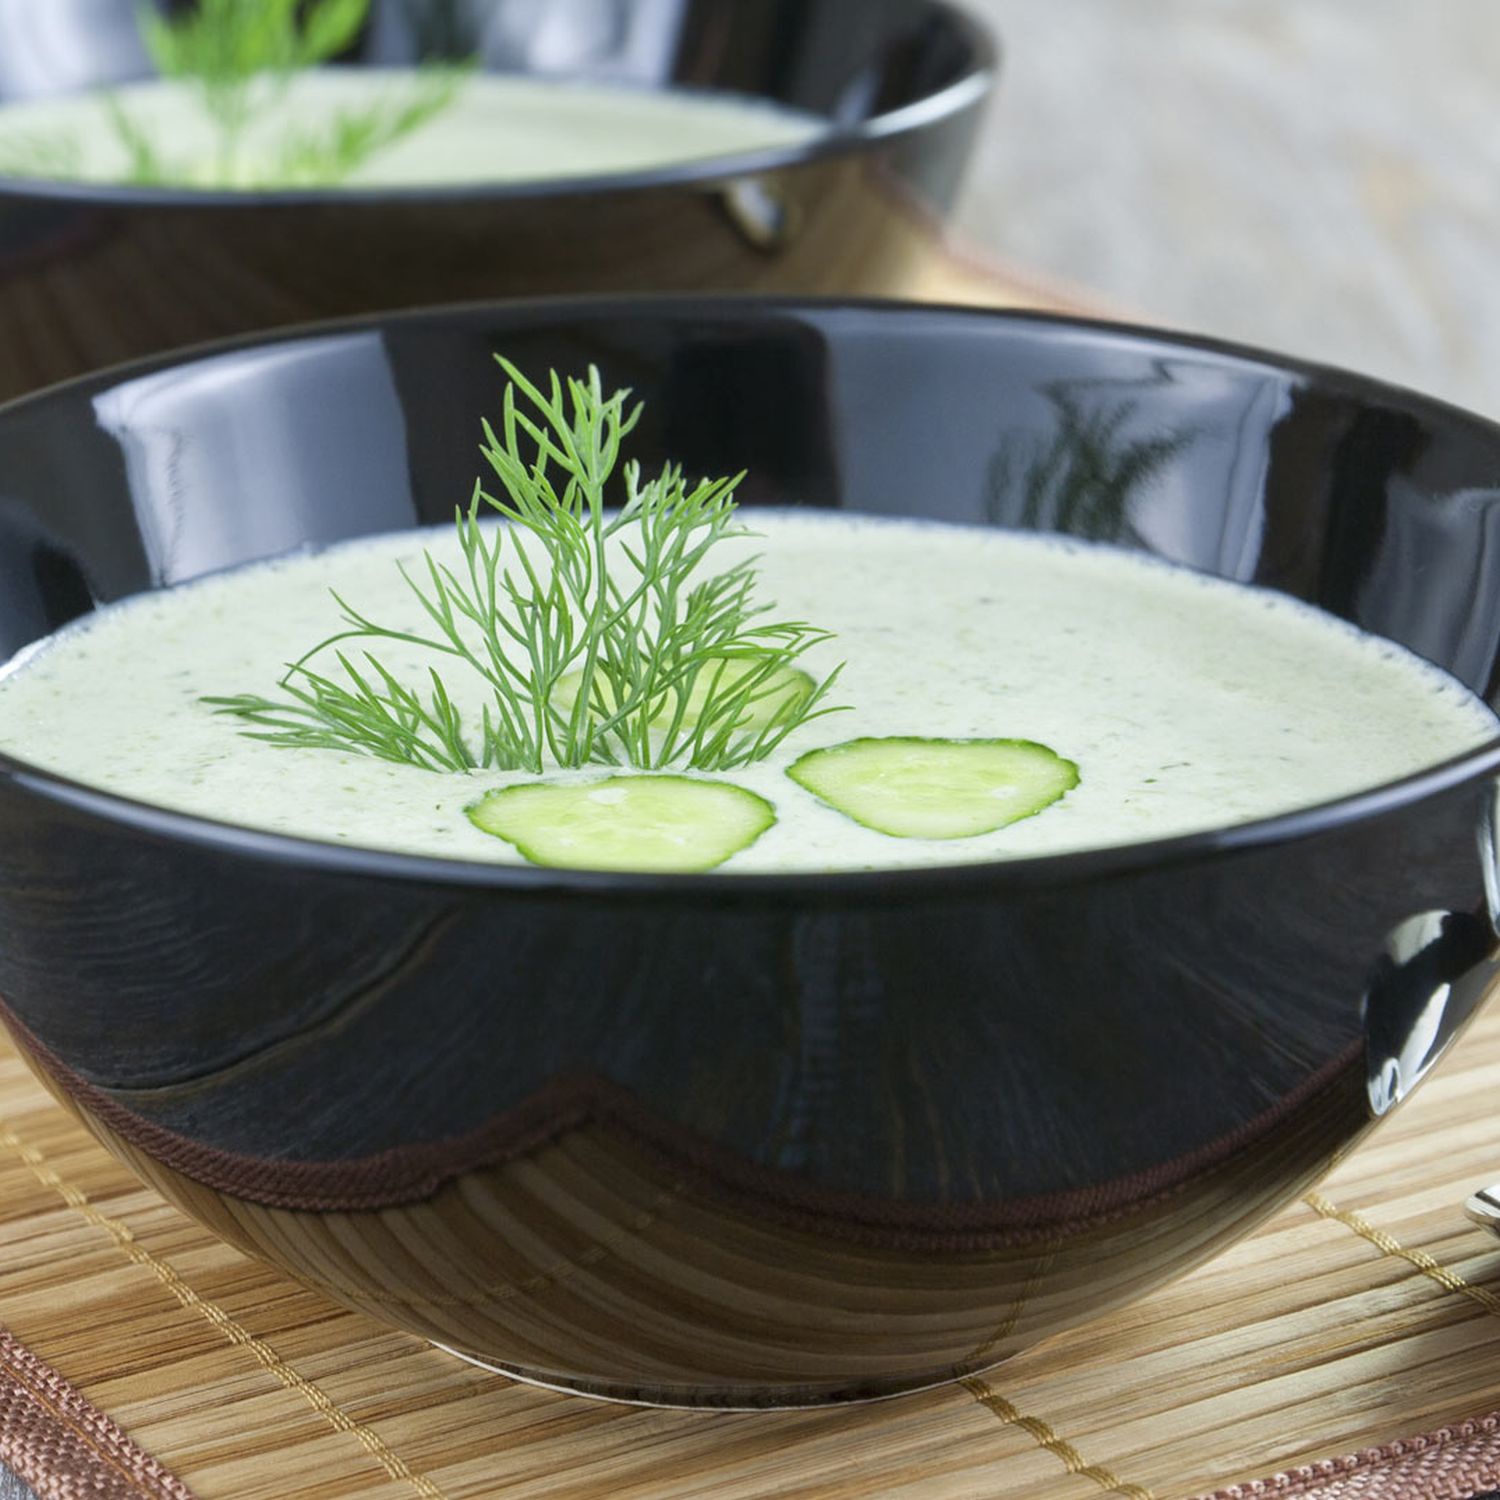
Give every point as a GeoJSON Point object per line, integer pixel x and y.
{"type": "Point", "coordinates": [594, 632]}
{"type": "Point", "coordinates": [241, 57]}
{"type": "Point", "coordinates": [330, 152]}
{"type": "Point", "coordinates": [225, 45]}
{"type": "Point", "coordinates": [35, 153]}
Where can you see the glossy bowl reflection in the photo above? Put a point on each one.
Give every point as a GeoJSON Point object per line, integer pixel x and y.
{"type": "Point", "coordinates": [91, 275]}
{"type": "Point", "coordinates": [751, 1140]}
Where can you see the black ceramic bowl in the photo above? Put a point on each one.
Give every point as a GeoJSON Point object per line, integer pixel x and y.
{"type": "Point", "coordinates": [93, 275]}
{"type": "Point", "coordinates": [751, 1139]}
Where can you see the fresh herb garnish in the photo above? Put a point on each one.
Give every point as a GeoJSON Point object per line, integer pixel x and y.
{"type": "Point", "coordinates": [34, 153]}
{"type": "Point", "coordinates": [309, 157]}
{"type": "Point", "coordinates": [241, 57]}
{"type": "Point", "coordinates": [597, 638]}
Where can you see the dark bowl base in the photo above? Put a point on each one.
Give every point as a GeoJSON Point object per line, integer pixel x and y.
{"type": "Point", "coordinates": [592, 1264]}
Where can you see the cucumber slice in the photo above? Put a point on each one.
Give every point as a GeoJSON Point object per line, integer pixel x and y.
{"type": "Point", "coordinates": [651, 823]}
{"type": "Point", "coordinates": [785, 688]}
{"type": "Point", "coordinates": [935, 789]}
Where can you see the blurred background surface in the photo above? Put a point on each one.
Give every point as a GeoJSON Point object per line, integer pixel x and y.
{"type": "Point", "coordinates": [1316, 176]}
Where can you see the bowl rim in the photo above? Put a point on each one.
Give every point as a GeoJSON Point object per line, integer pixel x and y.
{"type": "Point", "coordinates": [968, 91]}
{"type": "Point", "coordinates": [1064, 868]}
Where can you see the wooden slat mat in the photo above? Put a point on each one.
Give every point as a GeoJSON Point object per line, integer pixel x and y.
{"type": "Point", "coordinates": [1368, 1312]}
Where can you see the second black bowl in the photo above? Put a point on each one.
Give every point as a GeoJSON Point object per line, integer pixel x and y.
{"type": "Point", "coordinates": [91, 275]}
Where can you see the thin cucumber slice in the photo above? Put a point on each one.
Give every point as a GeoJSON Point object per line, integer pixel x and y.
{"type": "Point", "coordinates": [784, 689]}
{"type": "Point", "coordinates": [935, 789]}
{"type": "Point", "coordinates": [648, 823]}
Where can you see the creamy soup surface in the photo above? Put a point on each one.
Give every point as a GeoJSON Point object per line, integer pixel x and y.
{"type": "Point", "coordinates": [1187, 703]}
{"type": "Point", "coordinates": [497, 129]}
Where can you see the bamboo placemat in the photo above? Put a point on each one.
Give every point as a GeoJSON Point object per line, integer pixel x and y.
{"type": "Point", "coordinates": [1366, 1313]}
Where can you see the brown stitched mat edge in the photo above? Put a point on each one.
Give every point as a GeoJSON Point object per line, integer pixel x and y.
{"type": "Point", "coordinates": [64, 1447]}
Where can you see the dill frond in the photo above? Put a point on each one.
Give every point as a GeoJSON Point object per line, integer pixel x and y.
{"type": "Point", "coordinates": [53, 154]}
{"type": "Point", "coordinates": [331, 152]}
{"type": "Point", "coordinates": [598, 634]}
{"type": "Point", "coordinates": [240, 57]}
